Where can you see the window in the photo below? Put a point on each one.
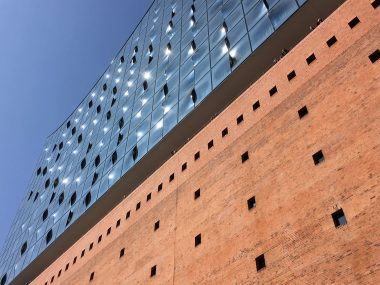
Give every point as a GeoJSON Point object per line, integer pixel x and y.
{"type": "Point", "coordinates": [353, 22]}
{"type": "Point", "coordinates": [108, 231]}
{"type": "Point", "coordinates": [260, 262]}
{"type": "Point", "coordinates": [61, 198]}
{"type": "Point", "coordinates": [83, 252]}
{"type": "Point", "coordinates": [310, 58]}
{"type": "Point", "coordinates": [91, 246]}
{"type": "Point", "coordinates": [89, 147]}
{"type": "Point", "coordinates": [49, 236]}
{"type": "Point", "coordinates": [83, 163]}
{"type": "Point", "coordinates": [197, 194]}
{"type": "Point", "coordinates": [24, 247]}
{"type": "Point", "coordinates": [224, 132]}
{"type": "Point", "coordinates": [59, 272]}
{"type": "Point", "coordinates": [153, 271]}
{"type": "Point", "coordinates": [56, 182]}
{"type": "Point", "coordinates": [74, 260]}
{"type": "Point", "coordinates": [73, 198]}
{"type": "Point", "coordinates": [52, 197]}
{"type": "Point", "coordinates": [210, 144]}
{"type": "Point", "coordinates": [113, 101]}
{"type": "Point", "coordinates": [30, 195]}
{"type": "Point", "coordinates": [197, 240]}
{"type": "Point", "coordinates": [375, 4]}
{"type": "Point", "coordinates": [149, 196]}
{"type": "Point", "coordinates": [98, 109]}
{"type": "Point", "coordinates": [165, 89]}
{"type": "Point", "coordinates": [47, 183]}
{"type": "Point", "coordinates": [67, 266]}
{"type": "Point", "coordinates": [39, 170]}
{"type": "Point", "coordinates": [193, 96]}
{"type": "Point", "coordinates": [239, 119]}
{"type": "Point", "coordinates": [171, 177]}
{"type": "Point", "coordinates": [52, 279]}
{"type": "Point", "coordinates": [97, 161]}
{"type": "Point", "coordinates": [45, 215]}
{"type": "Point", "coordinates": [156, 225]}
{"type": "Point", "coordinates": [159, 187]}
{"type": "Point", "coordinates": [69, 218]}
{"type": "Point", "coordinates": [118, 223]}
{"type": "Point", "coordinates": [375, 56]}
{"type": "Point", "coordinates": [94, 178]}
{"type": "Point", "coordinates": [138, 205]}
{"type": "Point", "coordinates": [114, 90]}
{"type": "Point", "coordinates": [303, 112]}
{"type": "Point", "coordinates": [339, 218]}
{"type": "Point", "coordinates": [87, 199]}
{"type": "Point", "coordinates": [251, 203]}
{"type": "Point", "coordinates": [105, 87]}
{"type": "Point", "coordinates": [244, 157]}
{"type": "Point", "coordinates": [73, 131]}
{"type": "Point", "coordinates": [36, 196]}
{"type": "Point", "coordinates": [273, 91]}
{"type": "Point", "coordinates": [291, 75]}
{"type": "Point", "coordinates": [80, 138]}
{"type": "Point", "coordinates": [90, 104]}
{"type": "Point", "coordinates": [145, 85]}
{"type": "Point", "coordinates": [92, 276]}
{"type": "Point", "coordinates": [60, 145]}
{"type": "Point", "coordinates": [3, 279]}
{"type": "Point", "coordinates": [44, 171]}
{"type": "Point", "coordinates": [68, 124]}
{"type": "Point", "coordinates": [331, 41]}
{"type": "Point", "coordinates": [256, 105]}
{"type": "Point", "coordinates": [184, 166]}
{"type": "Point", "coordinates": [121, 123]}
{"type": "Point", "coordinates": [135, 153]}
{"type": "Point", "coordinates": [197, 156]}
{"type": "Point", "coordinates": [127, 215]}
{"type": "Point", "coordinates": [318, 157]}
{"type": "Point", "coordinates": [100, 238]}
{"type": "Point", "coordinates": [108, 115]}
{"type": "Point", "coordinates": [119, 139]}
{"type": "Point", "coordinates": [114, 157]}
{"type": "Point", "coordinates": [121, 254]}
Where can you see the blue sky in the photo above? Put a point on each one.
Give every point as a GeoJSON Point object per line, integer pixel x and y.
{"type": "Point", "coordinates": [51, 54]}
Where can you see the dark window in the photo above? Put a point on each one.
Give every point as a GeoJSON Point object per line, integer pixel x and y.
{"type": "Point", "coordinates": [303, 112]}
{"type": "Point", "coordinates": [251, 203]}
{"type": "Point", "coordinates": [136, 49]}
{"type": "Point", "coordinates": [375, 56]}
{"type": "Point", "coordinates": [30, 195]}
{"type": "Point", "coordinates": [61, 198]}
{"type": "Point", "coordinates": [52, 197]}
{"type": "Point", "coordinates": [45, 215]}
{"type": "Point", "coordinates": [113, 101]}
{"type": "Point", "coordinates": [122, 59]}
{"type": "Point", "coordinates": [197, 194]}
{"type": "Point", "coordinates": [121, 252]}
{"type": "Point", "coordinates": [83, 163]}
{"type": "Point", "coordinates": [273, 91]}
{"type": "Point", "coordinates": [47, 183]}
{"type": "Point", "coordinates": [52, 279]}
{"type": "Point", "coordinates": [58, 156]}
{"type": "Point", "coordinates": [127, 215]}
{"type": "Point", "coordinates": [256, 105]}
{"type": "Point", "coordinates": [353, 22]}
{"type": "Point", "coordinates": [318, 157]}
{"type": "Point", "coordinates": [73, 198]}
{"type": "Point", "coordinates": [49, 236]}
{"type": "Point", "coordinates": [291, 75]}
{"type": "Point", "coordinates": [197, 240]}
{"type": "Point", "coordinates": [87, 199]}
{"type": "Point", "coordinates": [331, 41]}
{"type": "Point", "coordinates": [94, 178]}
{"type": "Point", "coordinates": [153, 271]}
{"type": "Point", "coordinates": [135, 153]}
{"type": "Point", "coordinates": [60, 145]}
{"type": "Point", "coordinates": [232, 60]}
{"type": "Point", "coordinates": [24, 247]}
{"type": "Point", "coordinates": [138, 205]}
{"type": "Point", "coordinates": [100, 238]}
{"type": "Point", "coordinates": [97, 161]}
{"type": "Point", "coordinates": [156, 225]}
{"type": "Point", "coordinates": [55, 146]}
{"type": "Point", "coordinates": [150, 59]}
{"type": "Point", "coordinates": [44, 171]}
{"type": "Point", "coordinates": [68, 124]}
{"type": "Point", "coordinates": [184, 166]}
{"type": "Point", "coordinates": [108, 231]}
{"type": "Point", "coordinates": [80, 137]}
{"type": "Point", "coordinates": [114, 157]}
{"type": "Point", "coordinates": [36, 196]}
{"type": "Point", "coordinates": [210, 144]}
{"type": "Point", "coordinates": [339, 218]}
{"type": "Point", "coordinates": [166, 89]}
{"type": "Point", "coordinates": [73, 131]}
{"type": "Point", "coordinates": [244, 157]}
{"type": "Point", "coordinates": [59, 272]}
{"type": "Point", "coordinates": [145, 85]}
{"type": "Point", "coordinates": [225, 27]}
{"type": "Point", "coordinates": [260, 262]}
{"type": "Point", "coordinates": [171, 177]}
{"type": "Point", "coordinates": [108, 115]}
{"type": "Point", "coordinates": [197, 155]}
{"type": "Point", "coordinates": [375, 4]}
{"type": "Point", "coordinates": [114, 90]}
{"type": "Point", "coordinates": [89, 147]}
{"type": "Point", "coordinates": [69, 218]}
{"type": "Point", "coordinates": [67, 266]}
{"type": "Point", "coordinates": [193, 96]}
{"type": "Point", "coordinates": [266, 4]}
{"type": "Point", "coordinates": [224, 132]}
{"type": "Point", "coordinates": [159, 187]}
{"type": "Point", "coordinates": [56, 182]}
{"type": "Point", "coordinates": [104, 87]}
{"type": "Point", "coordinates": [133, 59]}
{"type": "Point", "coordinates": [149, 196]}
{"type": "Point", "coordinates": [83, 252]}
{"type": "Point", "coordinates": [74, 260]}
{"type": "Point", "coordinates": [92, 276]}
{"type": "Point", "coordinates": [3, 279]}
{"type": "Point", "coordinates": [121, 123]}
{"type": "Point", "coordinates": [90, 104]}
{"type": "Point", "coordinates": [311, 58]}
{"type": "Point", "coordinates": [119, 139]}
{"type": "Point", "coordinates": [118, 223]}
{"type": "Point", "coordinates": [39, 171]}
{"type": "Point", "coordinates": [98, 109]}
{"type": "Point", "coordinates": [91, 246]}
{"type": "Point", "coordinates": [239, 119]}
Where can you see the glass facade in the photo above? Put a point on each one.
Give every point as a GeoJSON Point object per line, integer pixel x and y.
{"type": "Point", "coordinates": [179, 52]}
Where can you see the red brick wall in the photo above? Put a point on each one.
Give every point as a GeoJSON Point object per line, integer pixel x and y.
{"type": "Point", "coordinates": [291, 223]}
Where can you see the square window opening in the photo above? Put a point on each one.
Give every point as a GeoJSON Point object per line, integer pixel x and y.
{"type": "Point", "coordinates": [159, 187]}
{"type": "Point", "coordinates": [210, 144]}
{"type": "Point", "coordinates": [256, 105]}
{"type": "Point", "coordinates": [184, 166]}
{"type": "Point", "coordinates": [303, 112]}
{"type": "Point", "coordinates": [224, 132]}
{"type": "Point", "coordinates": [291, 75]}
{"type": "Point", "coordinates": [108, 231]}
{"type": "Point", "coordinates": [244, 157]}
{"type": "Point", "coordinates": [197, 156]}
{"type": "Point", "coordinates": [198, 240]}
{"type": "Point", "coordinates": [260, 262]}
{"type": "Point", "coordinates": [310, 59]}
{"type": "Point", "coordinates": [122, 251]}
{"type": "Point", "coordinates": [197, 194]}
{"type": "Point", "coordinates": [138, 205]}
{"type": "Point", "coordinates": [156, 225]}
{"type": "Point", "coordinates": [153, 271]}
{"type": "Point", "coordinates": [375, 56]}
{"type": "Point", "coordinates": [331, 41]}
{"type": "Point", "coordinates": [375, 4]}
{"type": "Point", "coordinates": [339, 218]}
{"type": "Point", "coordinates": [148, 197]}
{"type": "Point", "coordinates": [239, 119]}
{"type": "Point", "coordinates": [127, 215]}
{"type": "Point", "coordinates": [318, 157]}
{"type": "Point", "coordinates": [171, 177]}
{"type": "Point", "coordinates": [354, 22]}
{"type": "Point", "coordinates": [251, 203]}
{"type": "Point", "coordinates": [118, 223]}
{"type": "Point", "coordinates": [273, 91]}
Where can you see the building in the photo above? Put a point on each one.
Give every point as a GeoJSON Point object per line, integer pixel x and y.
{"type": "Point", "coordinates": [209, 154]}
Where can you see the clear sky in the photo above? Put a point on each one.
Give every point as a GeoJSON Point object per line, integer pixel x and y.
{"type": "Point", "coordinates": [51, 53]}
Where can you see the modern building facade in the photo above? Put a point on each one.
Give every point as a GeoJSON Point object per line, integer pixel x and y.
{"type": "Point", "coordinates": [202, 157]}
